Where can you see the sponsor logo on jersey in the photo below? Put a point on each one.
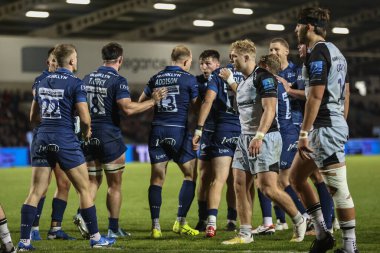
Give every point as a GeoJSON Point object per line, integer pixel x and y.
{"type": "Point", "coordinates": [223, 151]}
{"type": "Point", "coordinates": [158, 157]}
{"type": "Point", "coordinates": [168, 141]}
{"type": "Point", "coordinates": [316, 67]}
{"type": "Point", "coordinates": [268, 84]}
{"type": "Point", "coordinates": [232, 140]}
{"type": "Point", "coordinates": [293, 146]}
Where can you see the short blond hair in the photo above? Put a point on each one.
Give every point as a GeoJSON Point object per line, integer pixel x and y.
{"type": "Point", "coordinates": [62, 53]}
{"type": "Point", "coordinates": [244, 47]}
{"type": "Point", "coordinates": [271, 61]}
{"type": "Point", "coordinates": [180, 53]}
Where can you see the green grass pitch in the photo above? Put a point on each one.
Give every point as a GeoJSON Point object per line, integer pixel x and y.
{"type": "Point", "coordinates": [364, 181]}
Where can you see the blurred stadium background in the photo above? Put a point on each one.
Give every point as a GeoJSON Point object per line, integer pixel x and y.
{"type": "Point", "coordinates": [148, 34]}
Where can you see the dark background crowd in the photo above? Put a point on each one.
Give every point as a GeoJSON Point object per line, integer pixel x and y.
{"type": "Point", "coordinates": [363, 119]}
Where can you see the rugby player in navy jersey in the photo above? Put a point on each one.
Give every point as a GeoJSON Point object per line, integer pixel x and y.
{"type": "Point", "coordinates": [223, 142]}
{"type": "Point", "coordinates": [280, 47]}
{"type": "Point", "coordinates": [56, 98]}
{"type": "Point", "coordinates": [59, 202]}
{"type": "Point", "coordinates": [6, 244]}
{"type": "Point", "coordinates": [258, 149]}
{"type": "Point", "coordinates": [107, 97]}
{"type": "Point", "coordinates": [169, 138]}
{"type": "Point", "coordinates": [324, 131]}
{"type": "Point", "coordinates": [208, 62]}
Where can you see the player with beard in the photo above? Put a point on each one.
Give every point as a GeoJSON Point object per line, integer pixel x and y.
{"type": "Point", "coordinates": [324, 131]}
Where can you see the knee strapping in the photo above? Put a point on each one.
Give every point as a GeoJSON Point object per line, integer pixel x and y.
{"type": "Point", "coordinates": [94, 171]}
{"type": "Point", "coordinates": [336, 181]}
{"type": "Point", "coordinates": [113, 167]}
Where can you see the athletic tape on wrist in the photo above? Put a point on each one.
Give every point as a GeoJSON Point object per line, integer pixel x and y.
{"type": "Point", "coordinates": [303, 134]}
{"type": "Point", "coordinates": [230, 79]}
{"type": "Point", "coordinates": [259, 136]}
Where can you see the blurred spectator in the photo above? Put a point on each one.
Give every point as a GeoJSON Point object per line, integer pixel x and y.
{"type": "Point", "coordinates": [14, 123]}
{"type": "Point", "coordinates": [15, 104]}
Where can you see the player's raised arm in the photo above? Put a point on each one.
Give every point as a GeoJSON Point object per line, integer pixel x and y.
{"type": "Point", "coordinates": [299, 94]}
{"type": "Point", "coordinates": [129, 108]}
{"type": "Point", "coordinates": [227, 75]}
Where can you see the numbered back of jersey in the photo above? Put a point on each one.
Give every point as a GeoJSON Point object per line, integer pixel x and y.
{"type": "Point", "coordinates": [50, 108]}
{"type": "Point", "coordinates": [169, 104]}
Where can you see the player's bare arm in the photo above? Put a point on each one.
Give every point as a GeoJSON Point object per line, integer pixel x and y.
{"type": "Point", "coordinates": [85, 119]}
{"type": "Point", "coordinates": [347, 100]}
{"type": "Point", "coordinates": [143, 97]}
{"type": "Point", "coordinates": [34, 112]}
{"type": "Point", "coordinates": [313, 103]}
{"type": "Point", "coordinates": [130, 108]}
{"type": "Point", "coordinates": [299, 94]}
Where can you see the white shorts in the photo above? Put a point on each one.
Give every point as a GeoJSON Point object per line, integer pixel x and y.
{"type": "Point", "coordinates": [267, 160]}
{"type": "Point", "coordinates": [328, 145]}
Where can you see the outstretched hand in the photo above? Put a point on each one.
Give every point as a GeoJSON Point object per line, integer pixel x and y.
{"type": "Point", "coordinates": [287, 85]}
{"type": "Point", "coordinates": [159, 94]}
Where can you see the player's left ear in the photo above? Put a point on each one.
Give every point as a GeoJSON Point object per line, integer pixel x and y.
{"type": "Point", "coordinates": [246, 57]}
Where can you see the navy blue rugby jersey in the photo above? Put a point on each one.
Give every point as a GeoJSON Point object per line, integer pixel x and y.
{"type": "Point", "coordinates": [284, 114]}
{"type": "Point", "coordinates": [226, 114]}
{"type": "Point", "coordinates": [57, 95]}
{"type": "Point", "coordinates": [104, 88]}
{"type": "Point", "coordinates": [182, 88]}
{"type": "Point", "coordinates": [39, 78]}
{"type": "Point", "coordinates": [202, 88]}
{"type": "Point", "coordinates": [290, 74]}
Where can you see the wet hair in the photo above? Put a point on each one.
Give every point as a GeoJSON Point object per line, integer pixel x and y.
{"type": "Point", "coordinates": [271, 61]}
{"type": "Point", "coordinates": [317, 17]}
{"type": "Point", "coordinates": [281, 41]}
{"type": "Point", "coordinates": [210, 53]}
{"type": "Point", "coordinates": [180, 53]}
{"type": "Point", "coordinates": [62, 53]}
{"type": "Point", "coordinates": [244, 47]}
{"type": "Point", "coordinates": [112, 51]}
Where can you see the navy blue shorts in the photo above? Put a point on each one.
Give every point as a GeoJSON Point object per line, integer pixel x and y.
{"type": "Point", "coordinates": [52, 148]}
{"type": "Point", "coordinates": [289, 150]}
{"type": "Point", "coordinates": [205, 150]}
{"type": "Point", "coordinates": [110, 147]}
{"type": "Point", "coordinates": [166, 143]}
{"type": "Point", "coordinates": [223, 143]}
